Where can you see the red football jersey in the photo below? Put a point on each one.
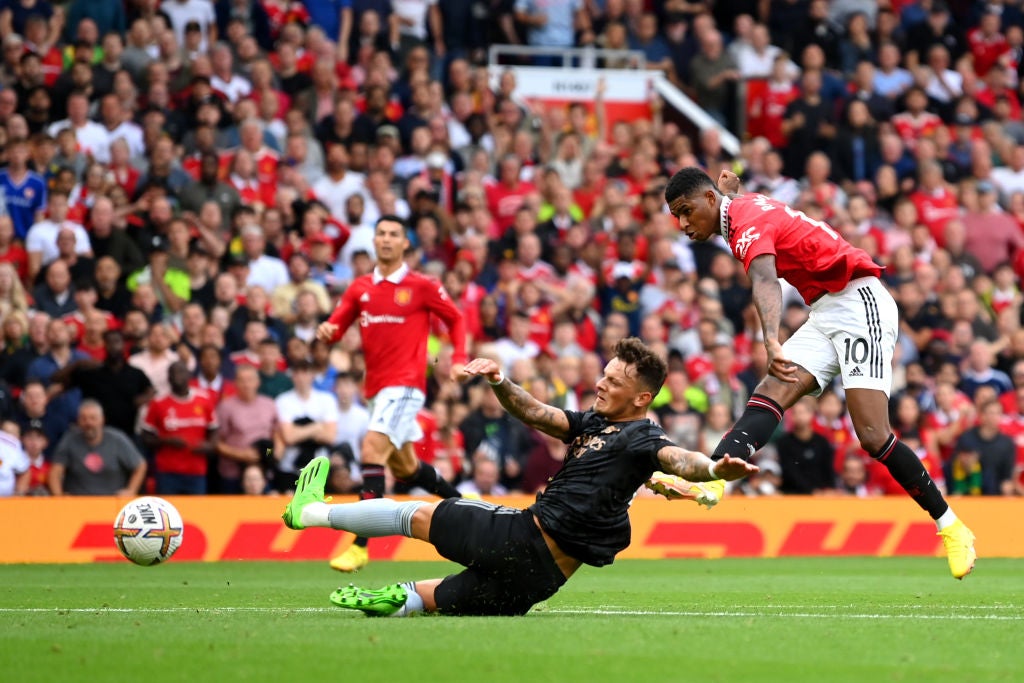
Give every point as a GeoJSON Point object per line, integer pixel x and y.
{"type": "Point", "coordinates": [935, 209]}
{"type": "Point", "coordinates": [912, 128]}
{"type": "Point", "coordinates": [188, 418]}
{"type": "Point", "coordinates": [808, 253]}
{"type": "Point", "coordinates": [986, 50]}
{"type": "Point", "coordinates": [394, 314]}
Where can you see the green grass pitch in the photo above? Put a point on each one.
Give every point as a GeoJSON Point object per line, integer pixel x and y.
{"type": "Point", "coordinates": [822, 619]}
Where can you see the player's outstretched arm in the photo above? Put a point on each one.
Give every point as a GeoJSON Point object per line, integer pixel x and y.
{"type": "Point", "coordinates": [518, 402]}
{"type": "Point", "coordinates": [694, 466]}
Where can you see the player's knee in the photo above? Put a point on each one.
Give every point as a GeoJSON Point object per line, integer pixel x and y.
{"type": "Point", "coordinates": [376, 449]}
{"type": "Point", "coordinates": [872, 439]}
{"type": "Point", "coordinates": [421, 520]}
{"type": "Point", "coordinates": [403, 469]}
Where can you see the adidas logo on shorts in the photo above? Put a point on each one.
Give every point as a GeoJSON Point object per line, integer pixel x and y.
{"type": "Point", "coordinates": [856, 372]}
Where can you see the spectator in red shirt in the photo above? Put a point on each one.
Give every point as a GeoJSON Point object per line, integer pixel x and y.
{"type": "Point", "coordinates": [179, 427]}
{"type": "Point", "coordinates": [506, 196]}
{"type": "Point", "coordinates": [987, 44]}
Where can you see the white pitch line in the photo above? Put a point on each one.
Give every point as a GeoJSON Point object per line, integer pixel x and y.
{"type": "Point", "coordinates": [779, 613]}
{"type": "Point", "coordinates": [790, 615]}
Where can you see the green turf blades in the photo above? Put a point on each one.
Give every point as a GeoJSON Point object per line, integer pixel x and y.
{"type": "Point", "coordinates": [308, 489]}
{"type": "Point", "coordinates": [381, 602]}
{"type": "Point", "coordinates": [784, 620]}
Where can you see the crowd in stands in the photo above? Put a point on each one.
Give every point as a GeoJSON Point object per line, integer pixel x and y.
{"type": "Point", "coordinates": [188, 186]}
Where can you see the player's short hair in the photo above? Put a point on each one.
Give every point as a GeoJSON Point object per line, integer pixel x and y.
{"type": "Point", "coordinates": [688, 182]}
{"type": "Point", "coordinates": [650, 368]}
{"type": "Point", "coordinates": [390, 218]}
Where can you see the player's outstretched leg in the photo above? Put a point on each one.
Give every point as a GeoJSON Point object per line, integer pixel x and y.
{"type": "Point", "coordinates": [368, 518]}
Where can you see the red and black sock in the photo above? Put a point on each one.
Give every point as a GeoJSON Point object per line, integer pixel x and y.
{"type": "Point", "coordinates": [906, 468]}
{"type": "Point", "coordinates": [430, 480]}
{"type": "Point", "coordinates": [752, 431]}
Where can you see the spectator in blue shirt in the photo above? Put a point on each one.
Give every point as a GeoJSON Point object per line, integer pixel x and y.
{"type": "Point", "coordinates": [23, 191]}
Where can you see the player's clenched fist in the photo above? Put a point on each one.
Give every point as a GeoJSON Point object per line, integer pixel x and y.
{"type": "Point", "coordinates": [729, 182]}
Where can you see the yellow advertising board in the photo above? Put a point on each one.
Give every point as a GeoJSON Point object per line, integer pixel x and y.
{"type": "Point", "coordinates": [71, 529]}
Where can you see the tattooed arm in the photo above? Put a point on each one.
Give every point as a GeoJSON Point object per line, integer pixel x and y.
{"type": "Point", "coordinates": [694, 466]}
{"type": "Point", "coordinates": [767, 294]}
{"type": "Point", "coordinates": [518, 402]}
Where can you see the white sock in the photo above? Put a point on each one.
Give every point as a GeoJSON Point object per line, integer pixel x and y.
{"type": "Point", "coordinates": [413, 601]}
{"type": "Point", "coordinates": [315, 514]}
{"type": "Point", "coordinates": [947, 519]}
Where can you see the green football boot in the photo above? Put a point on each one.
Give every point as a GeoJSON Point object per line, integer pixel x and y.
{"type": "Point", "coordinates": [382, 602]}
{"type": "Point", "coordinates": [308, 489]}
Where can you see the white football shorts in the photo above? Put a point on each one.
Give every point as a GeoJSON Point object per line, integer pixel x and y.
{"type": "Point", "coordinates": [393, 413]}
{"type": "Point", "coordinates": [851, 332]}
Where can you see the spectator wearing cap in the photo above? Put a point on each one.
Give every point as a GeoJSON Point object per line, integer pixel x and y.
{"type": "Point", "coordinates": [34, 443]}
{"type": "Point", "coordinates": [35, 406]}
{"type": "Point", "coordinates": [993, 236]}
{"type": "Point", "coordinates": [938, 28]}
{"type": "Point", "coordinates": [96, 460]}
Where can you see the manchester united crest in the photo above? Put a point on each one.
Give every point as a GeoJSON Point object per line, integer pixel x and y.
{"type": "Point", "coordinates": [403, 296]}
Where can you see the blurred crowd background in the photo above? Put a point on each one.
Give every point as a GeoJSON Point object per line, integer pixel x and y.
{"type": "Point", "coordinates": [188, 186]}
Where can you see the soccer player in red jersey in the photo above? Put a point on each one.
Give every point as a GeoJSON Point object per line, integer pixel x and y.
{"type": "Point", "coordinates": [393, 307]}
{"type": "Point", "coordinates": [851, 330]}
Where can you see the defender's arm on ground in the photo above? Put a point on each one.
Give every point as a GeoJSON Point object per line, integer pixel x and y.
{"type": "Point", "coordinates": [518, 402]}
{"type": "Point", "coordinates": [694, 466]}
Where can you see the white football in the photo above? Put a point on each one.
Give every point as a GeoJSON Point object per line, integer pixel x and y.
{"type": "Point", "coordinates": [148, 530]}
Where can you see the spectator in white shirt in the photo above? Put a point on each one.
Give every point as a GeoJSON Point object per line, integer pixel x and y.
{"type": "Point", "coordinates": [181, 12]}
{"type": "Point", "coordinates": [41, 240]}
{"type": "Point", "coordinates": [339, 182]}
{"type": "Point", "coordinates": [267, 272]}
{"type": "Point", "coordinates": [92, 137]}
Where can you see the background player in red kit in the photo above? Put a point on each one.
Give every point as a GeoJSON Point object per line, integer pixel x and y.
{"type": "Point", "coordinates": [393, 306]}
{"type": "Point", "coordinates": [851, 331]}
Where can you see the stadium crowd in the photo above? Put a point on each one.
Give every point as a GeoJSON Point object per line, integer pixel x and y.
{"type": "Point", "coordinates": [189, 185]}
